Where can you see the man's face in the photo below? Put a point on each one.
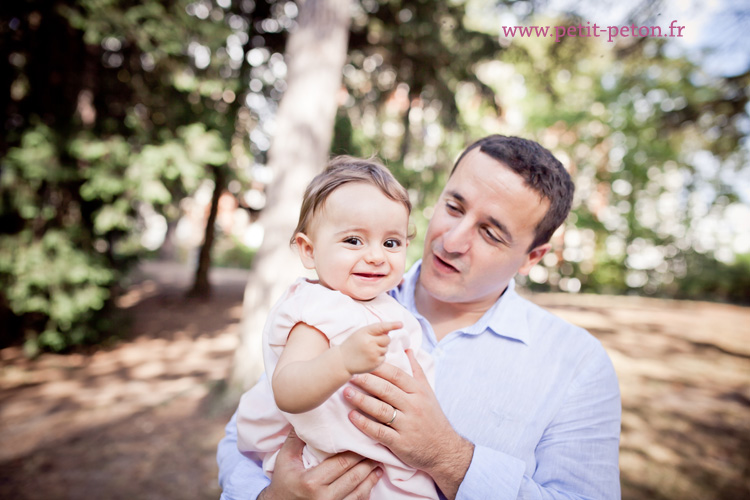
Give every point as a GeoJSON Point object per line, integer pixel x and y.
{"type": "Point", "coordinates": [479, 234]}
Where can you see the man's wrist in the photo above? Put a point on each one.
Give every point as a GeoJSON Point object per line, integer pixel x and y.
{"type": "Point", "coordinates": [449, 472]}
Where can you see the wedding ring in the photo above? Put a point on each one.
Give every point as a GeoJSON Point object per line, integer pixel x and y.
{"type": "Point", "coordinates": [393, 418]}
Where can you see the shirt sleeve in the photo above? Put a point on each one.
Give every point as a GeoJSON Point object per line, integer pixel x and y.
{"type": "Point", "coordinates": [240, 477]}
{"type": "Point", "coordinates": [577, 456]}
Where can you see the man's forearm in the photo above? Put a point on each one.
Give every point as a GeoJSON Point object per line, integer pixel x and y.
{"type": "Point", "coordinates": [450, 470]}
{"type": "Point", "coordinates": [576, 458]}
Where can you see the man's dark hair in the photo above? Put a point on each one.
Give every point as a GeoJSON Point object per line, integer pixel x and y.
{"type": "Point", "coordinates": [541, 171]}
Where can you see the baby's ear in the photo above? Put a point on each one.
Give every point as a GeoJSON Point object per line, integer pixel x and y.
{"type": "Point", "coordinates": [305, 249]}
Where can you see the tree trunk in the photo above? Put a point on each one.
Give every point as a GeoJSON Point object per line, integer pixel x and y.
{"type": "Point", "coordinates": [315, 56]}
{"type": "Point", "coordinates": [202, 286]}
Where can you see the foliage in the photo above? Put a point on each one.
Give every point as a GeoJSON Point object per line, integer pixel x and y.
{"type": "Point", "coordinates": [654, 146]}
{"type": "Point", "coordinates": [406, 63]}
{"type": "Point", "coordinates": [230, 252]}
{"type": "Point", "coordinates": [117, 110]}
{"type": "Point", "coordinates": [112, 121]}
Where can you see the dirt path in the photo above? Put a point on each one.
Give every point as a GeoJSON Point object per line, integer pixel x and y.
{"type": "Point", "coordinates": [684, 371]}
{"type": "Point", "coordinates": [137, 420]}
{"type": "Point", "coordinates": [131, 421]}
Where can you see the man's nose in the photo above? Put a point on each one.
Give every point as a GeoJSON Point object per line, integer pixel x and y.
{"type": "Point", "coordinates": [457, 239]}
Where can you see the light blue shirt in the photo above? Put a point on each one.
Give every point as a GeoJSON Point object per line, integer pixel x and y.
{"type": "Point", "coordinates": [536, 395]}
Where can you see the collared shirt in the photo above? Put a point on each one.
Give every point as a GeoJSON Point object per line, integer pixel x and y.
{"type": "Point", "coordinates": [536, 395]}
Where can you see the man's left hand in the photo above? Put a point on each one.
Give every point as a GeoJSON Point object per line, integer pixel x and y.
{"type": "Point", "coordinates": [410, 422]}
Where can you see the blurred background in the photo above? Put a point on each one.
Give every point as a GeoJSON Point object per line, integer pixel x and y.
{"type": "Point", "coordinates": [135, 170]}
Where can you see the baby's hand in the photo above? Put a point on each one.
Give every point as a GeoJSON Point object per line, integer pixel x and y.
{"type": "Point", "coordinates": [365, 349]}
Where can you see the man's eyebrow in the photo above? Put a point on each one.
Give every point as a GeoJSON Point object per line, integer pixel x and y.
{"type": "Point", "coordinates": [502, 228]}
{"type": "Point", "coordinates": [493, 221]}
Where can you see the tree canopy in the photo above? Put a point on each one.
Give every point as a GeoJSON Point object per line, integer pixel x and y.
{"type": "Point", "coordinates": [116, 110]}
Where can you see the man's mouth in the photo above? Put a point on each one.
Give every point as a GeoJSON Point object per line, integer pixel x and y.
{"type": "Point", "coordinates": [444, 265]}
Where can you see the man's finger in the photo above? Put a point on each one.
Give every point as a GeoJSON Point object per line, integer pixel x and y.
{"type": "Point", "coordinates": [332, 468]}
{"type": "Point", "coordinates": [365, 487]}
{"type": "Point", "coordinates": [379, 387]}
{"type": "Point", "coordinates": [349, 482]}
{"type": "Point", "coordinates": [292, 446]}
{"type": "Point", "coordinates": [416, 368]}
{"type": "Point", "coordinates": [378, 432]}
{"type": "Point", "coordinates": [389, 373]}
{"type": "Point", "coordinates": [380, 411]}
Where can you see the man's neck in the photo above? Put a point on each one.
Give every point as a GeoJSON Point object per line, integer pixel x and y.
{"type": "Point", "coordinates": [446, 317]}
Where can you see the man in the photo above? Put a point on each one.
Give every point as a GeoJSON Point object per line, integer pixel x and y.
{"type": "Point", "coordinates": [525, 404]}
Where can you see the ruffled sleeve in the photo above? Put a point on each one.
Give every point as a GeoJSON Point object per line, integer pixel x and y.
{"type": "Point", "coordinates": [329, 311]}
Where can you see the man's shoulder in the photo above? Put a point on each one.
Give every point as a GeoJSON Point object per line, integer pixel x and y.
{"type": "Point", "coordinates": [566, 345]}
{"type": "Point", "coordinates": [545, 325]}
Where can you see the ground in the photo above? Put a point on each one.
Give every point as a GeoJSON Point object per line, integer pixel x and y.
{"type": "Point", "coordinates": [141, 418]}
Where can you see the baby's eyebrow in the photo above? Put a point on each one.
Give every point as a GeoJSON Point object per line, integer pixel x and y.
{"type": "Point", "coordinates": [351, 230]}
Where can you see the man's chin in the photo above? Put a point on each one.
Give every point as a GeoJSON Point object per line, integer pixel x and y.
{"type": "Point", "coordinates": [443, 287]}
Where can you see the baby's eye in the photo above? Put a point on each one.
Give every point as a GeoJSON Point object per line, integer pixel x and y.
{"type": "Point", "coordinates": [392, 243]}
{"type": "Point", "coordinates": [353, 240]}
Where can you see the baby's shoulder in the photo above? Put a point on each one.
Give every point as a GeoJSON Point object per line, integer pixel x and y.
{"type": "Point", "coordinates": [311, 293]}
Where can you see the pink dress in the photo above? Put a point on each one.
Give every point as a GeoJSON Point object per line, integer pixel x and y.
{"type": "Point", "coordinates": [326, 430]}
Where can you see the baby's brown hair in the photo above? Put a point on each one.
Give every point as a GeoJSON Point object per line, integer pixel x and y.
{"type": "Point", "coordinates": [343, 170]}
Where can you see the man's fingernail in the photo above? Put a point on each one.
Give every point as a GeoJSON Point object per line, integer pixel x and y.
{"type": "Point", "coordinates": [379, 472]}
{"type": "Point", "coordinates": [348, 393]}
{"type": "Point", "coordinates": [355, 416]}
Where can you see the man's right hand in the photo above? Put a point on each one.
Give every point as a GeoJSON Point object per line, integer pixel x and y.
{"type": "Point", "coordinates": [346, 476]}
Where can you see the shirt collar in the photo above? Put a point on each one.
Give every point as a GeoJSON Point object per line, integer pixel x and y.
{"type": "Point", "coordinates": [506, 318]}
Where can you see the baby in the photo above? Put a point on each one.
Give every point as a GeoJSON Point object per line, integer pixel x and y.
{"type": "Point", "coordinates": [353, 231]}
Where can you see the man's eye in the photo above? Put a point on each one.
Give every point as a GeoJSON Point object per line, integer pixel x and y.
{"type": "Point", "coordinates": [450, 207]}
{"type": "Point", "coordinates": [352, 240]}
{"type": "Point", "coordinates": [491, 236]}
{"type": "Point", "coordinates": [392, 243]}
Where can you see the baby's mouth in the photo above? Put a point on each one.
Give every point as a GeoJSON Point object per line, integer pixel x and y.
{"type": "Point", "coordinates": [370, 275]}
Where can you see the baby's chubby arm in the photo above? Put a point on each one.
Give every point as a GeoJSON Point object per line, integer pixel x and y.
{"type": "Point", "coordinates": [309, 370]}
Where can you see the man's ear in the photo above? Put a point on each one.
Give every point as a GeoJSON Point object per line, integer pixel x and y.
{"type": "Point", "coordinates": [533, 257]}
{"type": "Point", "coordinates": [305, 249]}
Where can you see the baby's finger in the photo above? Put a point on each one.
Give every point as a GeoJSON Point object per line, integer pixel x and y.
{"type": "Point", "coordinates": [383, 340]}
{"type": "Point", "coordinates": [383, 328]}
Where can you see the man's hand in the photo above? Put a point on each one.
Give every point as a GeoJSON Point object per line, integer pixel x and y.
{"type": "Point", "coordinates": [365, 349]}
{"type": "Point", "coordinates": [346, 476]}
{"type": "Point", "coordinates": [420, 435]}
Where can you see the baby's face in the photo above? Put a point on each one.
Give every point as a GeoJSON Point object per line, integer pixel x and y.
{"type": "Point", "coordinates": [359, 240]}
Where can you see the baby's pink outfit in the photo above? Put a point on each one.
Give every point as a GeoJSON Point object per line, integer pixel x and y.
{"type": "Point", "coordinates": [326, 430]}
